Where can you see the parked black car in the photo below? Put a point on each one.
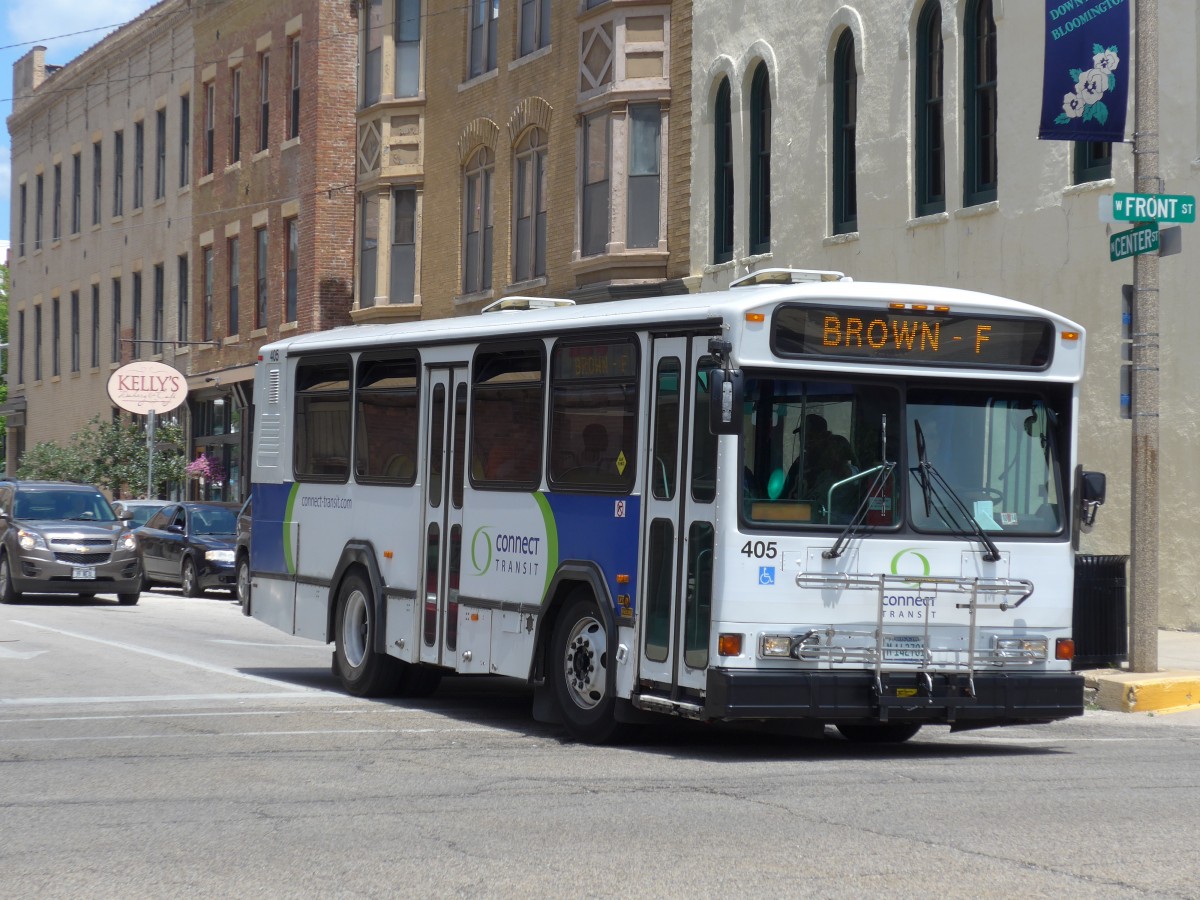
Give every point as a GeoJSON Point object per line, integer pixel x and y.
{"type": "Point", "coordinates": [190, 544]}
{"type": "Point", "coordinates": [137, 512]}
{"type": "Point", "coordinates": [242, 553]}
{"type": "Point", "coordinates": [63, 538]}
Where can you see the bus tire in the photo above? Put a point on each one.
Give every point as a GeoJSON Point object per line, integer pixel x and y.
{"type": "Point", "coordinates": [417, 680]}
{"type": "Point", "coordinates": [879, 732]}
{"type": "Point", "coordinates": [362, 671]}
{"type": "Point", "coordinates": [580, 659]}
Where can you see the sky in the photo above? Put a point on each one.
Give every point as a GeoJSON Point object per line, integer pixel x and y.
{"type": "Point", "coordinates": [65, 28]}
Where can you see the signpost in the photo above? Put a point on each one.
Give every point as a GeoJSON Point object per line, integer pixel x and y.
{"type": "Point", "coordinates": [147, 388]}
{"type": "Point", "coordinates": [1141, 239]}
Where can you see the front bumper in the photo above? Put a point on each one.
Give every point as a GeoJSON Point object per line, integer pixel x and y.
{"type": "Point", "coordinates": [40, 573]}
{"type": "Point", "coordinates": [216, 576]}
{"type": "Point", "coordinates": [855, 696]}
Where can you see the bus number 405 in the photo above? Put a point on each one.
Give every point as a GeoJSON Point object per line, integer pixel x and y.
{"type": "Point", "coordinates": [760, 549]}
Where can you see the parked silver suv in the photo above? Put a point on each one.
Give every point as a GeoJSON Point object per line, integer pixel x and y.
{"type": "Point", "coordinates": [61, 538]}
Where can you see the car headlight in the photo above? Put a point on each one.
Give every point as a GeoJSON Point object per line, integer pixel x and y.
{"type": "Point", "coordinates": [225, 556]}
{"type": "Point", "coordinates": [31, 540]}
{"type": "Point", "coordinates": [128, 542]}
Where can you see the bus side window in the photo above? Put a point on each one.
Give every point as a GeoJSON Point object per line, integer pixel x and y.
{"type": "Point", "coordinates": [704, 442]}
{"type": "Point", "coordinates": [322, 424]}
{"type": "Point", "coordinates": [507, 416]}
{"type": "Point", "coordinates": [387, 419]}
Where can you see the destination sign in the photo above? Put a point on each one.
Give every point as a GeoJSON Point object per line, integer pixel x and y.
{"type": "Point", "coordinates": [912, 337]}
{"type": "Point", "coordinates": [614, 360]}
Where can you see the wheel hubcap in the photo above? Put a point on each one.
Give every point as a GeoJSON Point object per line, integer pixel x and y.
{"type": "Point", "coordinates": [355, 629]}
{"type": "Point", "coordinates": [586, 663]}
{"type": "Point", "coordinates": [243, 582]}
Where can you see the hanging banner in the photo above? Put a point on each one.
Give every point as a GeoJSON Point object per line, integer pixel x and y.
{"type": "Point", "coordinates": [1085, 85]}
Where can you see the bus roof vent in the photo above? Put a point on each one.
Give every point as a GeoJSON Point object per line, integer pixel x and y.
{"type": "Point", "coordinates": [515, 304]}
{"type": "Point", "coordinates": [787, 276]}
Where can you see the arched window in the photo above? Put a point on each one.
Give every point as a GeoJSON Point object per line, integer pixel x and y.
{"type": "Point", "coordinates": [760, 161]}
{"type": "Point", "coordinates": [477, 222]}
{"type": "Point", "coordinates": [723, 176]}
{"type": "Point", "coordinates": [931, 150]}
{"type": "Point", "coordinates": [529, 206]}
{"type": "Point", "coordinates": [980, 177]}
{"type": "Point", "coordinates": [845, 114]}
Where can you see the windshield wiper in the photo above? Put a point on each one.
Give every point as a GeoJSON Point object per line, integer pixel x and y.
{"type": "Point", "coordinates": [924, 468]}
{"type": "Point", "coordinates": [933, 484]}
{"type": "Point", "coordinates": [883, 472]}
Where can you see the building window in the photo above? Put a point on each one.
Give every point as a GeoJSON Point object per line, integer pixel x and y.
{"type": "Point", "coordinates": [95, 326]}
{"type": "Point", "coordinates": [723, 175]}
{"type": "Point", "coordinates": [235, 116]}
{"type": "Point", "coordinates": [56, 214]}
{"type": "Point", "coordinates": [931, 150]}
{"type": "Point", "coordinates": [845, 115]}
{"type": "Point", "coordinates": [76, 192]}
{"type": "Point", "coordinates": [74, 331]}
{"type": "Point", "coordinates": [39, 199]}
{"type": "Point", "coordinates": [181, 325]}
{"type": "Point", "coordinates": [260, 278]}
{"type": "Point", "coordinates": [595, 217]}
{"type": "Point", "coordinates": [485, 16]}
{"type": "Point", "coordinates": [403, 272]}
{"type": "Point", "coordinates": [408, 48]}
{"type": "Point", "coordinates": [477, 223]}
{"type": "Point", "coordinates": [21, 347]}
{"type": "Point", "coordinates": [137, 315]}
{"type": "Point", "coordinates": [760, 160]}
{"type": "Point", "coordinates": [264, 100]}
{"type": "Point", "coordinates": [535, 25]}
{"type": "Point", "coordinates": [55, 338]}
{"type": "Point", "coordinates": [37, 343]}
{"type": "Point", "coordinates": [373, 55]}
{"type": "Point", "coordinates": [294, 105]}
{"type": "Point", "coordinates": [234, 266]}
{"type": "Point", "coordinates": [368, 259]}
{"type": "Point", "coordinates": [97, 156]}
{"type": "Point", "coordinates": [529, 207]}
{"type": "Point", "coordinates": [185, 140]}
{"type": "Point", "coordinates": [160, 154]}
{"type": "Point", "coordinates": [139, 163]}
{"type": "Point", "coordinates": [207, 270]}
{"type": "Point", "coordinates": [118, 199]}
{"type": "Point", "coordinates": [116, 321]}
{"type": "Point", "coordinates": [293, 246]}
{"type": "Point", "coordinates": [642, 198]}
{"type": "Point", "coordinates": [160, 290]}
{"type": "Point", "coordinates": [980, 178]}
{"type": "Point", "coordinates": [24, 219]}
{"type": "Point", "coordinates": [210, 112]}
{"type": "Point", "coordinates": [1093, 161]}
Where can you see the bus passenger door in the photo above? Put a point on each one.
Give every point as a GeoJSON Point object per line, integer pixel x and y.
{"type": "Point", "coordinates": [446, 415]}
{"type": "Point", "coordinates": [680, 489]}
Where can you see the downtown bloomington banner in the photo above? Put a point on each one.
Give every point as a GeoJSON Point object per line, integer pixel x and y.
{"type": "Point", "coordinates": [1085, 85]}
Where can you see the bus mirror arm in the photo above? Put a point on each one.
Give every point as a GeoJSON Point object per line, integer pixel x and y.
{"type": "Point", "coordinates": [725, 391]}
{"type": "Point", "coordinates": [1092, 489]}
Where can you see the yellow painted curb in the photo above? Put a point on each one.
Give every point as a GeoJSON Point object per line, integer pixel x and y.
{"type": "Point", "coordinates": [1164, 693]}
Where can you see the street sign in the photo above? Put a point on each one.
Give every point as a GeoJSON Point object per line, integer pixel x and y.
{"type": "Point", "coordinates": [1142, 239]}
{"type": "Point", "coordinates": [1154, 207]}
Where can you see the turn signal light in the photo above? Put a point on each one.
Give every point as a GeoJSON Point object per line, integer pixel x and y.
{"type": "Point", "coordinates": [729, 645]}
{"type": "Point", "coordinates": [1064, 648]}
{"type": "Point", "coordinates": [1070, 335]}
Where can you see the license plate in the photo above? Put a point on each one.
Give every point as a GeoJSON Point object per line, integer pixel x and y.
{"type": "Point", "coordinates": [904, 648]}
{"type": "Point", "coordinates": [84, 573]}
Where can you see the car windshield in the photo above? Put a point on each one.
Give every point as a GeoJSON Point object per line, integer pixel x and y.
{"type": "Point", "coordinates": [214, 520]}
{"type": "Point", "coordinates": [139, 515]}
{"type": "Point", "coordinates": [63, 506]}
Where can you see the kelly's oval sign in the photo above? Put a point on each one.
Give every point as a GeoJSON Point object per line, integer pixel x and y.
{"type": "Point", "coordinates": [148, 386]}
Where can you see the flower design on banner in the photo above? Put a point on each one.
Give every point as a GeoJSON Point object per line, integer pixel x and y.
{"type": "Point", "coordinates": [1087, 101]}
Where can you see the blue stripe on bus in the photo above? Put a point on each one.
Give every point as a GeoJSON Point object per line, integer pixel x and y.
{"type": "Point", "coordinates": [603, 529]}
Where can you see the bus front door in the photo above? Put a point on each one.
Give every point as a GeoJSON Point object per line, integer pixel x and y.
{"type": "Point", "coordinates": [679, 495]}
{"type": "Point", "coordinates": [446, 416]}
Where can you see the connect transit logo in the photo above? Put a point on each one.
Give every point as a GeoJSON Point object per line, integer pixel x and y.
{"type": "Point", "coordinates": [910, 562]}
{"type": "Point", "coordinates": [482, 550]}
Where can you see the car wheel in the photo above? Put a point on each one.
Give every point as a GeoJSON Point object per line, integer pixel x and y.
{"type": "Point", "coordinates": [130, 599]}
{"type": "Point", "coordinates": [7, 593]}
{"type": "Point", "coordinates": [243, 584]}
{"type": "Point", "coordinates": [189, 581]}
{"type": "Point", "coordinates": [146, 583]}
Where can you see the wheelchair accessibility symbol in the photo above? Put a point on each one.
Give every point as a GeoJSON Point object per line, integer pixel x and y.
{"type": "Point", "coordinates": [766, 575]}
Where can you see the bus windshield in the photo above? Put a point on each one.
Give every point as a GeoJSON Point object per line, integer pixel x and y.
{"type": "Point", "coordinates": [994, 459]}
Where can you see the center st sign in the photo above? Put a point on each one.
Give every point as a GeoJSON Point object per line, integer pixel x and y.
{"type": "Point", "coordinates": [1142, 239]}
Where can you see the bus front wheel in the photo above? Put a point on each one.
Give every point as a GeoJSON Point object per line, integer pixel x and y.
{"type": "Point", "coordinates": [580, 660]}
{"type": "Point", "coordinates": [362, 671]}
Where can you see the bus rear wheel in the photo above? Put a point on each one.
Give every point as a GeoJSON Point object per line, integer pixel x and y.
{"type": "Point", "coordinates": [579, 672]}
{"type": "Point", "coordinates": [362, 671]}
{"type": "Point", "coordinates": [880, 732]}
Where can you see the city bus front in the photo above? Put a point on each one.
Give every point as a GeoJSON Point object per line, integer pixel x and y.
{"type": "Point", "coordinates": [897, 550]}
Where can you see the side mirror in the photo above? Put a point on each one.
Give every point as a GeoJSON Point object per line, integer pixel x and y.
{"type": "Point", "coordinates": [1092, 488]}
{"type": "Point", "coordinates": [175, 529]}
{"type": "Point", "coordinates": [726, 396]}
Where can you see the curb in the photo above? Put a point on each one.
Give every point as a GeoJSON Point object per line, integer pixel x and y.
{"type": "Point", "coordinates": [1161, 692]}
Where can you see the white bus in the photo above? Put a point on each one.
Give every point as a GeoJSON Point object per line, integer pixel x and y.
{"type": "Point", "coordinates": [802, 498]}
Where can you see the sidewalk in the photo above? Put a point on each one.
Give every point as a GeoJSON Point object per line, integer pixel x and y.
{"type": "Point", "coordinates": [1175, 687]}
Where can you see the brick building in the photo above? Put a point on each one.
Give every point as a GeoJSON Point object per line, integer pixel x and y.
{"type": "Point", "coordinates": [520, 148]}
{"type": "Point", "coordinates": [273, 202]}
{"type": "Point", "coordinates": [101, 221]}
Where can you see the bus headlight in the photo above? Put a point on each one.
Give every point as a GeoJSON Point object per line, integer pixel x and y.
{"type": "Point", "coordinates": [1022, 647]}
{"type": "Point", "coordinates": [775, 645]}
